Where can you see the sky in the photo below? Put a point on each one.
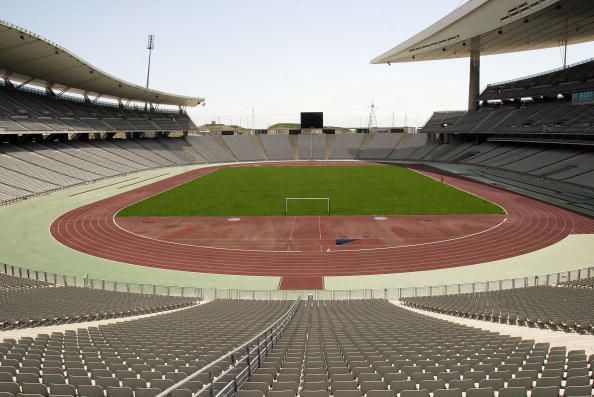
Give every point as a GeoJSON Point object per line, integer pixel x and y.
{"type": "Point", "coordinates": [276, 58]}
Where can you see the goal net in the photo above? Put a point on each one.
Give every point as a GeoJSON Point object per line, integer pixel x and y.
{"type": "Point", "coordinates": [307, 205]}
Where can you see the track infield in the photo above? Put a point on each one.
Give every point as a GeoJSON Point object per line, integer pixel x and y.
{"type": "Point", "coordinates": [311, 190]}
{"type": "Point", "coordinates": [529, 225]}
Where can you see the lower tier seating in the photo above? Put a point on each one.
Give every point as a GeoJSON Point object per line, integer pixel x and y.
{"type": "Point", "coordinates": [134, 358]}
{"type": "Point", "coordinates": [35, 307]}
{"type": "Point", "coordinates": [10, 282]}
{"type": "Point", "coordinates": [376, 349]}
{"type": "Point", "coordinates": [555, 308]}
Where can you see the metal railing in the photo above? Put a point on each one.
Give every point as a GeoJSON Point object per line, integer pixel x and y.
{"type": "Point", "coordinates": [550, 279]}
{"type": "Point", "coordinates": [559, 69]}
{"type": "Point", "coordinates": [252, 352]}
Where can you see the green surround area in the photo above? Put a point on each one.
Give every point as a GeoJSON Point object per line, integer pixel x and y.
{"type": "Point", "coordinates": [352, 190]}
{"type": "Point", "coordinates": [25, 241]}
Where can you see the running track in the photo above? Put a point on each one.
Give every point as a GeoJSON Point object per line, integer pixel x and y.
{"type": "Point", "coordinates": [530, 225]}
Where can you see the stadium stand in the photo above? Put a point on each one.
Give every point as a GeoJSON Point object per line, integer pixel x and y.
{"type": "Point", "coordinates": [182, 150]}
{"type": "Point", "coordinates": [577, 77]}
{"type": "Point", "coordinates": [566, 309]}
{"type": "Point", "coordinates": [582, 283]}
{"type": "Point", "coordinates": [518, 142]}
{"type": "Point", "coordinates": [9, 282]}
{"type": "Point", "coordinates": [134, 358]}
{"type": "Point", "coordinates": [440, 121]}
{"type": "Point", "coordinates": [407, 146]}
{"type": "Point", "coordinates": [35, 307]}
{"type": "Point", "coordinates": [345, 146]}
{"type": "Point", "coordinates": [34, 168]}
{"type": "Point", "coordinates": [33, 110]}
{"type": "Point", "coordinates": [244, 147]}
{"type": "Point", "coordinates": [380, 146]}
{"type": "Point", "coordinates": [376, 349]}
{"type": "Point", "coordinates": [277, 147]}
{"type": "Point", "coordinates": [312, 147]}
{"type": "Point", "coordinates": [211, 148]}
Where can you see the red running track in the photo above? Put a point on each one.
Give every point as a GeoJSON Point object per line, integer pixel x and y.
{"type": "Point", "coordinates": [530, 225]}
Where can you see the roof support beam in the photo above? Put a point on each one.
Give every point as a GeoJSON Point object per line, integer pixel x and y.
{"type": "Point", "coordinates": [63, 91]}
{"type": "Point", "coordinates": [7, 81]}
{"type": "Point", "coordinates": [24, 83]}
{"type": "Point", "coordinates": [475, 73]}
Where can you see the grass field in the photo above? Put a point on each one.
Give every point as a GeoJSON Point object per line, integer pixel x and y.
{"type": "Point", "coordinates": [353, 190]}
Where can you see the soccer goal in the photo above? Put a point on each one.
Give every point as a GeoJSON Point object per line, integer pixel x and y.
{"type": "Point", "coordinates": [306, 199]}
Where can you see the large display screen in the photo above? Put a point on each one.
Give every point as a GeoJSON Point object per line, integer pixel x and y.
{"type": "Point", "coordinates": [312, 120]}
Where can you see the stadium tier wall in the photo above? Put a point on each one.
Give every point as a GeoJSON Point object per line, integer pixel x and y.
{"type": "Point", "coordinates": [33, 168]}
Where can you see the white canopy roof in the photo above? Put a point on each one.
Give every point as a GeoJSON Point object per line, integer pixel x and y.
{"type": "Point", "coordinates": [501, 26]}
{"type": "Point", "coordinates": [28, 57]}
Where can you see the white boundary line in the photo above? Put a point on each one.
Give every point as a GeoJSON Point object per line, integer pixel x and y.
{"type": "Point", "coordinates": [184, 244]}
{"type": "Point", "coordinates": [421, 244]}
{"type": "Point", "coordinates": [440, 241]}
{"type": "Point", "coordinates": [280, 251]}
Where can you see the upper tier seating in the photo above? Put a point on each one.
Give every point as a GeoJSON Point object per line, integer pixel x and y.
{"type": "Point", "coordinates": [567, 309]}
{"type": "Point", "coordinates": [440, 121]}
{"type": "Point", "coordinates": [541, 117]}
{"type": "Point", "coordinates": [36, 307]}
{"type": "Point", "coordinates": [35, 111]}
{"type": "Point", "coordinates": [574, 78]}
{"type": "Point", "coordinates": [137, 358]}
{"type": "Point", "coordinates": [376, 349]}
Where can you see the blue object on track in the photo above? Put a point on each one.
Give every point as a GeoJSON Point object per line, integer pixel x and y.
{"type": "Point", "coordinates": [341, 241]}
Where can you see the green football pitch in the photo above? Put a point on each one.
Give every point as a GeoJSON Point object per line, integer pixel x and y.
{"type": "Point", "coordinates": [352, 190]}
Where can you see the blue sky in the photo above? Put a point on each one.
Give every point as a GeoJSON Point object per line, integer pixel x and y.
{"type": "Point", "coordinates": [278, 57]}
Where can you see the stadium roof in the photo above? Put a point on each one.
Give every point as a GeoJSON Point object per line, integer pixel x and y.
{"type": "Point", "coordinates": [502, 25]}
{"type": "Point", "coordinates": [28, 57]}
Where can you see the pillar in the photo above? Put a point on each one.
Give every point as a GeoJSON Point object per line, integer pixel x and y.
{"type": "Point", "coordinates": [475, 74]}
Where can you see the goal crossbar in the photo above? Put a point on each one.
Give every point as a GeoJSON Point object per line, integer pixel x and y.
{"type": "Point", "coordinates": [287, 199]}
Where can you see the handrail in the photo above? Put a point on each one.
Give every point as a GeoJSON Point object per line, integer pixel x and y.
{"type": "Point", "coordinates": [269, 336]}
{"type": "Point", "coordinates": [205, 293]}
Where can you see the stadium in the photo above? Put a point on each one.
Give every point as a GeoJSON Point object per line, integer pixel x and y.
{"type": "Point", "coordinates": [145, 255]}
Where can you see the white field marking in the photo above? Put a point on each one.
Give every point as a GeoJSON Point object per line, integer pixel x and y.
{"type": "Point", "coordinates": [320, 226]}
{"type": "Point", "coordinates": [421, 244]}
{"type": "Point", "coordinates": [155, 239]}
{"type": "Point", "coordinates": [320, 230]}
{"type": "Point", "coordinates": [193, 245]}
{"type": "Point", "coordinates": [440, 241]}
{"type": "Point", "coordinates": [49, 228]}
{"type": "Point", "coordinates": [458, 188]}
{"type": "Point", "coordinates": [292, 228]}
{"type": "Point", "coordinates": [229, 165]}
{"type": "Point", "coordinates": [184, 244]}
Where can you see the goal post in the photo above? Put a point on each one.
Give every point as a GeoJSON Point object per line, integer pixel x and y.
{"type": "Point", "coordinates": [289, 199]}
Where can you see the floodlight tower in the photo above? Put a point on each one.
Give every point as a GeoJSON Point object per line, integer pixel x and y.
{"type": "Point", "coordinates": [372, 123]}
{"type": "Point", "coordinates": [150, 45]}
